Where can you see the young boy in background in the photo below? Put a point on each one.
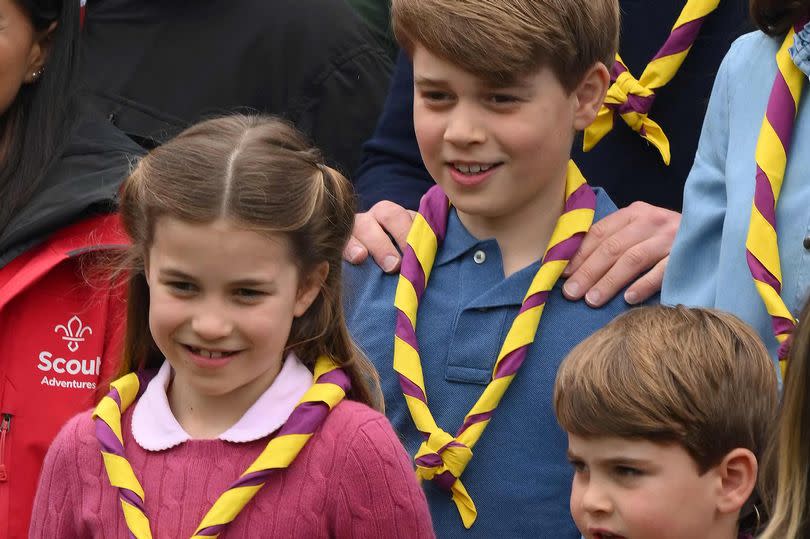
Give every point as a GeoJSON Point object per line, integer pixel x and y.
{"type": "Point", "coordinates": [501, 88]}
{"type": "Point", "coordinates": [667, 411]}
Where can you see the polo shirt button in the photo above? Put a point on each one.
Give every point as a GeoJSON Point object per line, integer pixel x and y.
{"type": "Point", "coordinates": [806, 242]}
{"type": "Point", "coordinates": [480, 257]}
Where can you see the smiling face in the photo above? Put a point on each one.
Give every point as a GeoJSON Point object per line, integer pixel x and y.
{"type": "Point", "coordinates": [636, 489]}
{"type": "Point", "coordinates": [222, 301]}
{"type": "Point", "coordinates": [495, 151]}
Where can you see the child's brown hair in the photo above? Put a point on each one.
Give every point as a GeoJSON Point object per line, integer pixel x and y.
{"type": "Point", "coordinates": [502, 40]}
{"type": "Point", "coordinates": [260, 173]}
{"type": "Point", "coordinates": [699, 378]}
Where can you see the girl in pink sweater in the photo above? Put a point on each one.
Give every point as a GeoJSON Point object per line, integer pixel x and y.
{"type": "Point", "coordinates": [247, 410]}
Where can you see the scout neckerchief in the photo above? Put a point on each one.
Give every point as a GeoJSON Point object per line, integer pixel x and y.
{"type": "Point", "coordinates": [330, 386]}
{"type": "Point", "coordinates": [442, 457]}
{"type": "Point", "coordinates": [632, 98]}
{"type": "Point", "coordinates": [773, 145]}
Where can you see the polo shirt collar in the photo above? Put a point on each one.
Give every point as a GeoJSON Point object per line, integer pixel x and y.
{"type": "Point", "coordinates": [458, 240]}
{"type": "Point", "coordinates": [155, 428]}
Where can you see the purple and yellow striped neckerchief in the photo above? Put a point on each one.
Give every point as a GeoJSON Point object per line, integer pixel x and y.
{"type": "Point", "coordinates": [441, 457]}
{"type": "Point", "coordinates": [773, 146]}
{"type": "Point", "coordinates": [632, 98]}
{"type": "Point", "coordinates": [329, 388]}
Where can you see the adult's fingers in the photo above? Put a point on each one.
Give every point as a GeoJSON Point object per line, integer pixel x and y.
{"type": "Point", "coordinates": [631, 241]}
{"type": "Point", "coordinates": [355, 252]}
{"type": "Point", "coordinates": [635, 260]}
{"type": "Point", "coordinates": [601, 256]}
{"type": "Point", "coordinates": [371, 235]}
{"type": "Point", "coordinates": [647, 285]}
{"type": "Point", "coordinates": [599, 232]}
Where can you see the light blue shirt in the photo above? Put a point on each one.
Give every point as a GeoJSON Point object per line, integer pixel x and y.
{"type": "Point", "coordinates": [707, 266]}
{"type": "Point", "coordinates": [519, 477]}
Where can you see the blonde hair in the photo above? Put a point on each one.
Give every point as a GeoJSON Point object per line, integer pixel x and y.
{"type": "Point", "coordinates": [699, 378]}
{"type": "Point", "coordinates": [785, 480]}
{"type": "Point", "coordinates": [502, 40]}
{"type": "Point", "coordinates": [262, 174]}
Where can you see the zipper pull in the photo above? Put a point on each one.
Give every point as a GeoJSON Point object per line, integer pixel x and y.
{"type": "Point", "coordinates": [5, 427]}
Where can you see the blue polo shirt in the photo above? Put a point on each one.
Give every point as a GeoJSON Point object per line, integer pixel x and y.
{"type": "Point", "coordinates": [519, 476]}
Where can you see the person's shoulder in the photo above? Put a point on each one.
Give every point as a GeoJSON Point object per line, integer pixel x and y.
{"type": "Point", "coordinates": [364, 282]}
{"type": "Point", "coordinates": [78, 433]}
{"type": "Point", "coordinates": [749, 51]}
{"type": "Point", "coordinates": [354, 432]}
{"type": "Point", "coordinates": [353, 425]}
{"type": "Point", "coordinates": [752, 41]}
{"type": "Point", "coordinates": [94, 134]}
{"type": "Point", "coordinates": [363, 272]}
{"type": "Point", "coordinates": [353, 415]}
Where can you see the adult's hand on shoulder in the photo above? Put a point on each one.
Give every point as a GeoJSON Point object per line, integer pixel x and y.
{"type": "Point", "coordinates": [370, 235]}
{"type": "Point", "coordinates": [631, 244]}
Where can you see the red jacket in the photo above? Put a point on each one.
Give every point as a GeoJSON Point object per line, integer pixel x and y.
{"type": "Point", "coordinates": [60, 332]}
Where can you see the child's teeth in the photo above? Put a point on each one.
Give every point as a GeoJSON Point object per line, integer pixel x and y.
{"type": "Point", "coordinates": [472, 169]}
{"type": "Point", "coordinates": [208, 353]}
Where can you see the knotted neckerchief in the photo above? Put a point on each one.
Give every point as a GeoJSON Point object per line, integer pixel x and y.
{"type": "Point", "coordinates": [773, 145]}
{"type": "Point", "coordinates": [442, 457]}
{"type": "Point", "coordinates": [632, 98]}
{"type": "Point", "coordinates": [329, 388]}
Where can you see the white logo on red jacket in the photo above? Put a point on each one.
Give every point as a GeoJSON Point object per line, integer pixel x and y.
{"type": "Point", "coordinates": [70, 366]}
{"type": "Point", "coordinates": [74, 331]}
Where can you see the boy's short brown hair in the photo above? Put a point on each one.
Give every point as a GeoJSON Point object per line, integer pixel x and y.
{"type": "Point", "coordinates": [700, 378]}
{"type": "Point", "coordinates": [502, 40]}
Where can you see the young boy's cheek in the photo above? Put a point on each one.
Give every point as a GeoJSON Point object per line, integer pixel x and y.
{"type": "Point", "coordinates": [575, 505]}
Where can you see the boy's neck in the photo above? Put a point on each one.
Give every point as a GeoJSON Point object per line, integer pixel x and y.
{"type": "Point", "coordinates": [522, 235]}
{"type": "Point", "coordinates": [207, 417]}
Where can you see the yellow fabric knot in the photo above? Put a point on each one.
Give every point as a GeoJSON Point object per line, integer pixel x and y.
{"type": "Point", "coordinates": [442, 459]}
{"type": "Point", "coordinates": [631, 100]}
{"type": "Point", "coordinates": [638, 94]}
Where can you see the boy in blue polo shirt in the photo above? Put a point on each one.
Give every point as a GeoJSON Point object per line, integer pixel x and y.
{"type": "Point", "coordinates": [476, 325]}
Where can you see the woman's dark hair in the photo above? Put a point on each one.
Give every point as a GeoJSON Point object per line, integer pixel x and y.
{"type": "Point", "coordinates": [775, 17]}
{"type": "Point", "coordinates": [37, 124]}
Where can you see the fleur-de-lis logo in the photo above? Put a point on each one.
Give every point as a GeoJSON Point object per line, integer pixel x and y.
{"type": "Point", "coordinates": [74, 331]}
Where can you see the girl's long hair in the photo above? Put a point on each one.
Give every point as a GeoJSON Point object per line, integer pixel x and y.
{"type": "Point", "coordinates": [260, 173]}
{"type": "Point", "coordinates": [775, 17]}
{"type": "Point", "coordinates": [37, 124]}
{"type": "Point", "coordinates": [785, 479]}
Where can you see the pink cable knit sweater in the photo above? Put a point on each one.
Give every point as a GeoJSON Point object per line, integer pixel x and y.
{"type": "Point", "coordinates": [353, 479]}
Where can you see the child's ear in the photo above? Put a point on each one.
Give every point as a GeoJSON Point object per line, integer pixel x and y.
{"type": "Point", "coordinates": [737, 475]}
{"type": "Point", "coordinates": [40, 50]}
{"type": "Point", "coordinates": [589, 95]}
{"type": "Point", "coordinates": [310, 287]}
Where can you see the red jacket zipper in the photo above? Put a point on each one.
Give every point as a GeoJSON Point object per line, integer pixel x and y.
{"type": "Point", "coordinates": [5, 427]}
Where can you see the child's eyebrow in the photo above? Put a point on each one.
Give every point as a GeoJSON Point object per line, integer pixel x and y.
{"type": "Point", "coordinates": [622, 461]}
{"type": "Point", "coordinates": [427, 81]}
{"type": "Point", "coordinates": [175, 274]}
{"type": "Point", "coordinates": [250, 283]}
{"type": "Point", "coordinates": [511, 85]}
